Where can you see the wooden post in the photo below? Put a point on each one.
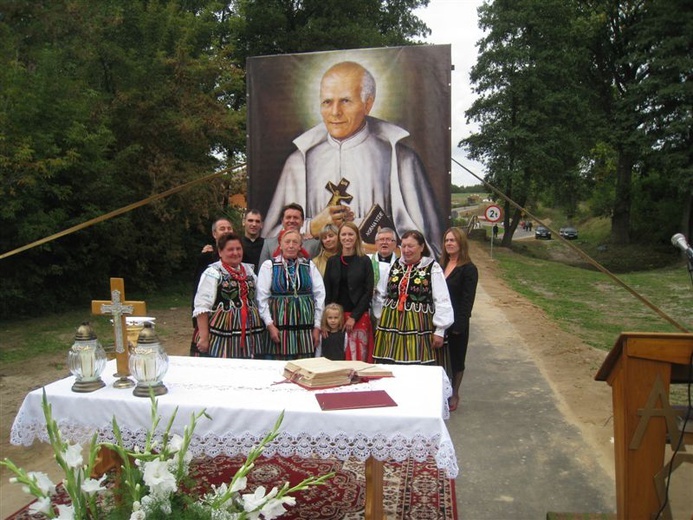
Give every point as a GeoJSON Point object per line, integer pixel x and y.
{"type": "Point", "coordinates": [374, 509]}
{"type": "Point", "coordinates": [118, 307]}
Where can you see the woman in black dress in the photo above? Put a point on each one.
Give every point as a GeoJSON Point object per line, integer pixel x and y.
{"type": "Point", "coordinates": [461, 276]}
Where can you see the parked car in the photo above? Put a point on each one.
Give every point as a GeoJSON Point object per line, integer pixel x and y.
{"type": "Point", "coordinates": [542, 232]}
{"type": "Point", "coordinates": [569, 233]}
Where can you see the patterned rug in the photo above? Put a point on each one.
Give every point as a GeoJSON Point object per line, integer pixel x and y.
{"type": "Point", "coordinates": [413, 491]}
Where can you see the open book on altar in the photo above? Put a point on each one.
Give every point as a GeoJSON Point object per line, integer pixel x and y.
{"type": "Point", "coordinates": [321, 372]}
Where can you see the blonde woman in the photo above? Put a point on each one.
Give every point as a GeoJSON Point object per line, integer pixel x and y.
{"type": "Point", "coordinates": [329, 246]}
{"type": "Point", "coordinates": [349, 282]}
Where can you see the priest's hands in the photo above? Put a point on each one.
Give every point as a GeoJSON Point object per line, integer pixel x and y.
{"type": "Point", "coordinates": [336, 215]}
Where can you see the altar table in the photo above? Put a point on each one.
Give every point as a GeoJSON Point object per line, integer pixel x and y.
{"type": "Point", "coordinates": [244, 399]}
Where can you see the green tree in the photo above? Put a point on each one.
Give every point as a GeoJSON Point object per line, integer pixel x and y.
{"type": "Point", "coordinates": [104, 104]}
{"type": "Point", "coordinates": [664, 106]}
{"type": "Point", "coordinates": [532, 108]}
{"type": "Point", "coordinates": [290, 26]}
{"type": "Point", "coordinates": [641, 54]}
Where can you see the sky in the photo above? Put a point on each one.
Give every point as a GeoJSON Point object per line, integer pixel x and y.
{"type": "Point", "coordinates": [454, 22]}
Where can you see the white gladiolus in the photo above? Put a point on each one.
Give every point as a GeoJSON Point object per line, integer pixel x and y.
{"type": "Point", "coordinates": [175, 444]}
{"type": "Point", "coordinates": [252, 501]}
{"type": "Point", "coordinates": [42, 505]}
{"type": "Point", "coordinates": [65, 512]}
{"type": "Point", "coordinates": [275, 507]}
{"type": "Point", "coordinates": [42, 482]}
{"type": "Point", "coordinates": [158, 477]}
{"type": "Point", "coordinates": [239, 485]}
{"type": "Point", "coordinates": [73, 456]}
{"type": "Point", "coordinates": [91, 486]}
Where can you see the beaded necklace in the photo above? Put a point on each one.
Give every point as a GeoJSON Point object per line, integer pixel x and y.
{"type": "Point", "coordinates": [293, 280]}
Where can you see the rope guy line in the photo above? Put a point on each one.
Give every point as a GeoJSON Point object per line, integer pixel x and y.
{"type": "Point", "coordinates": [122, 210]}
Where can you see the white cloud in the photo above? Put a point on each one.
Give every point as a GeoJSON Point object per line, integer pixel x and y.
{"type": "Point", "coordinates": [454, 22]}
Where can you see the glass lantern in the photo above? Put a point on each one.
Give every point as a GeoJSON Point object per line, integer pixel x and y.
{"type": "Point", "coordinates": [86, 360]}
{"type": "Point", "coordinates": [148, 363]}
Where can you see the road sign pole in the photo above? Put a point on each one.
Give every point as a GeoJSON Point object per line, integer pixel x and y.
{"type": "Point", "coordinates": [493, 214]}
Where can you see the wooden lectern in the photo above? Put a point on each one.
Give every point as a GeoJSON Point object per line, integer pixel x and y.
{"type": "Point", "coordinates": [639, 370]}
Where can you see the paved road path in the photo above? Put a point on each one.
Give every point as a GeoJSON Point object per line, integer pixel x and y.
{"type": "Point", "coordinates": [519, 457]}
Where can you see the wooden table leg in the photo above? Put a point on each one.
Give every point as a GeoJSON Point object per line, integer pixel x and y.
{"type": "Point", "coordinates": [374, 489]}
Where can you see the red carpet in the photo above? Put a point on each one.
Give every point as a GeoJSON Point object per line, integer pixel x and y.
{"type": "Point", "coordinates": [413, 491]}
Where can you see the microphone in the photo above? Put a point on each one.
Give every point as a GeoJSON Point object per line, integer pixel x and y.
{"type": "Point", "coordinates": [678, 240]}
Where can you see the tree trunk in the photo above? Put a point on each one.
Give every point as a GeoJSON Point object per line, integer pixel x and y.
{"type": "Point", "coordinates": [620, 221]}
{"type": "Point", "coordinates": [510, 223]}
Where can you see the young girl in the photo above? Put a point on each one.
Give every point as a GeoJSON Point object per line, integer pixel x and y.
{"type": "Point", "coordinates": [334, 343]}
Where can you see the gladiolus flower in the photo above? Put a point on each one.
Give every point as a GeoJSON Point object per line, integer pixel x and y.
{"type": "Point", "coordinates": [42, 482]}
{"type": "Point", "coordinates": [175, 444]}
{"type": "Point", "coordinates": [73, 456]}
{"type": "Point", "coordinates": [42, 505]}
{"type": "Point", "coordinates": [91, 486]}
{"type": "Point", "coordinates": [66, 512]}
{"type": "Point", "coordinates": [159, 479]}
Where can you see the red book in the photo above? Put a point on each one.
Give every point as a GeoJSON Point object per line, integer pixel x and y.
{"type": "Point", "coordinates": [350, 400]}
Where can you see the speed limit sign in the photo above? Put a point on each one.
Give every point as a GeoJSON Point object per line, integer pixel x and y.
{"type": "Point", "coordinates": [493, 213]}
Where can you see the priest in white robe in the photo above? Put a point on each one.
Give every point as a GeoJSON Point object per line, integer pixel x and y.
{"type": "Point", "coordinates": [366, 155]}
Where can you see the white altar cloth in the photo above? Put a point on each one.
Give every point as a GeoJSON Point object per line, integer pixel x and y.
{"type": "Point", "coordinates": [244, 399]}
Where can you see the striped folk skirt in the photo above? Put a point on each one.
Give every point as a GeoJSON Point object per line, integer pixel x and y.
{"type": "Point", "coordinates": [294, 317]}
{"type": "Point", "coordinates": [225, 333]}
{"type": "Point", "coordinates": [405, 336]}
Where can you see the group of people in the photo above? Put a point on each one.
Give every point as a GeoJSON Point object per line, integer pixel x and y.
{"type": "Point", "coordinates": [327, 297]}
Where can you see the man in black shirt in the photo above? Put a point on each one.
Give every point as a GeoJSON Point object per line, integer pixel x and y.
{"type": "Point", "coordinates": [251, 239]}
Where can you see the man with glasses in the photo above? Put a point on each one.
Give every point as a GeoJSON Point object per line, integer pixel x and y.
{"type": "Point", "coordinates": [382, 260]}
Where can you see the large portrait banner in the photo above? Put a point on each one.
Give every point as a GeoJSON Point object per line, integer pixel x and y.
{"type": "Point", "coordinates": [360, 135]}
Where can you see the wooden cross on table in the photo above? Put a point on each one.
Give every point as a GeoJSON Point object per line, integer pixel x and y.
{"type": "Point", "coordinates": [339, 192]}
{"type": "Point", "coordinates": [118, 307]}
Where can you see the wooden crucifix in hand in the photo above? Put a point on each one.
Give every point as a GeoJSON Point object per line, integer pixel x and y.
{"type": "Point", "coordinates": [339, 192]}
{"type": "Point", "coordinates": [118, 307]}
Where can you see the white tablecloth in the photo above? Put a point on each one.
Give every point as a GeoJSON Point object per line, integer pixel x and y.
{"type": "Point", "coordinates": [244, 399]}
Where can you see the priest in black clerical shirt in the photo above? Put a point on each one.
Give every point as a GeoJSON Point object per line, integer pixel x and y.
{"type": "Point", "coordinates": [251, 239]}
{"type": "Point", "coordinates": [382, 260]}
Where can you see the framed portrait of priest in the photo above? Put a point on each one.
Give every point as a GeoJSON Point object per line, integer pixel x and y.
{"type": "Point", "coordinates": [358, 135]}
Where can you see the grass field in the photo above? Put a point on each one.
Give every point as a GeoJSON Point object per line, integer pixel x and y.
{"type": "Point", "coordinates": [55, 332]}
{"type": "Point", "coordinates": [591, 305]}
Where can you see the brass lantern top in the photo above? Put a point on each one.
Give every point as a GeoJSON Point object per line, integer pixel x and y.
{"type": "Point", "coordinates": [85, 332]}
{"type": "Point", "coordinates": [147, 335]}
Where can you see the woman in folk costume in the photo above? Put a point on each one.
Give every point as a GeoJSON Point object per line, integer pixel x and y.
{"type": "Point", "coordinates": [228, 319]}
{"type": "Point", "coordinates": [417, 307]}
{"type": "Point", "coordinates": [291, 297]}
{"type": "Point", "coordinates": [349, 282]}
